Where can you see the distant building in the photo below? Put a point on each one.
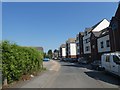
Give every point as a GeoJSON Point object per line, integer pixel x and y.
{"type": "Point", "coordinates": [115, 31]}
{"type": "Point", "coordinates": [56, 54]}
{"type": "Point", "coordinates": [71, 48]}
{"type": "Point", "coordinates": [79, 45]}
{"type": "Point", "coordinates": [62, 50]}
{"type": "Point", "coordinates": [39, 48]}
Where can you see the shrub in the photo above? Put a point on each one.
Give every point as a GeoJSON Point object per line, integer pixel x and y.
{"type": "Point", "coordinates": [18, 61]}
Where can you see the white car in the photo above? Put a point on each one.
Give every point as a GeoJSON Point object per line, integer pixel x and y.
{"type": "Point", "coordinates": [111, 62]}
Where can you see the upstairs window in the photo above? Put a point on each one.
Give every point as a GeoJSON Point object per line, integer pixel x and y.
{"type": "Point", "coordinates": [85, 33]}
{"type": "Point", "coordinates": [108, 43]}
{"type": "Point", "coordinates": [102, 44]}
{"type": "Point", "coordinates": [86, 40]}
{"type": "Point", "coordinates": [87, 48]}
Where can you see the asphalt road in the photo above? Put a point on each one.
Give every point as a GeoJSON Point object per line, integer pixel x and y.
{"type": "Point", "coordinates": [70, 75]}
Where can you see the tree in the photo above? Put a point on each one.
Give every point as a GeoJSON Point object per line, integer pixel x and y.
{"type": "Point", "coordinates": [50, 53]}
{"type": "Point", "coordinates": [44, 55]}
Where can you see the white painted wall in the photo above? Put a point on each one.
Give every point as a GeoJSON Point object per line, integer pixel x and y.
{"type": "Point", "coordinates": [104, 24]}
{"type": "Point", "coordinates": [104, 39]}
{"type": "Point", "coordinates": [63, 52]}
{"type": "Point", "coordinates": [72, 48]}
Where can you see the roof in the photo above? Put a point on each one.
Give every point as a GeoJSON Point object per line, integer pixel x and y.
{"type": "Point", "coordinates": [97, 34]}
{"type": "Point", "coordinates": [39, 48]}
{"type": "Point", "coordinates": [100, 25]}
{"type": "Point", "coordinates": [104, 32]}
{"type": "Point", "coordinates": [71, 40]}
{"type": "Point", "coordinates": [88, 29]}
{"type": "Point", "coordinates": [63, 45]}
{"type": "Point", "coordinates": [82, 33]}
{"type": "Point", "coordinates": [97, 28]}
{"type": "Point", "coordinates": [117, 14]}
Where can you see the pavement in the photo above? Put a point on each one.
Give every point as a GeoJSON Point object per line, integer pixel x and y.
{"type": "Point", "coordinates": [70, 75]}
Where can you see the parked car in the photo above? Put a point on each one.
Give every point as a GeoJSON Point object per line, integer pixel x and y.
{"type": "Point", "coordinates": [66, 59]}
{"type": "Point", "coordinates": [84, 61]}
{"type": "Point", "coordinates": [46, 59]}
{"type": "Point", "coordinates": [80, 59]}
{"type": "Point", "coordinates": [111, 62]}
{"type": "Point", "coordinates": [72, 60]}
{"type": "Point", "coordinates": [96, 65]}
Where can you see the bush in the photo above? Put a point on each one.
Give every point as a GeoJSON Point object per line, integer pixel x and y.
{"type": "Point", "coordinates": [18, 61]}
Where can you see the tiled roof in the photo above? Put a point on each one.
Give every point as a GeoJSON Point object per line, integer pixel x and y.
{"type": "Point", "coordinates": [63, 45]}
{"type": "Point", "coordinates": [71, 40]}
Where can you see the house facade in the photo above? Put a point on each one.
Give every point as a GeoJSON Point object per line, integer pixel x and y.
{"type": "Point", "coordinates": [71, 48]}
{"type": "Point", "coordinates": [86, 43]}
{"type": "Point", "coordinates": [62, 51]}
{"type": "Point", "coordinates": [90, 39]}
{"type": "Point", "coordinates": [103, 42]}
{"type": "Point", "coordinates": [56, 54]}
{"type": "Point", "coordinates": [79, 45]}
{"type": "Point", "coordinates": [115, 31]}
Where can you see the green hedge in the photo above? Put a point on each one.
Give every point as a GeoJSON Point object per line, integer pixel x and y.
{"type": "Point", "coordinates": [18, 61]}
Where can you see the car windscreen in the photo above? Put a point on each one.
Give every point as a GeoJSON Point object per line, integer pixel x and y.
{"type": "Point", "coordinates": [119, 56]}
{"type": "Point", "coordinates": [116, 58]}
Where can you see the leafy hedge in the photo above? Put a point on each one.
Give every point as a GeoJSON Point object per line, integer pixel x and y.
{"type": "Point", "coordinates": [18, 61]}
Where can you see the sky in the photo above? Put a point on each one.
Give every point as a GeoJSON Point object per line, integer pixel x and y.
{"type": "Point", "coordinates": [50, 24]}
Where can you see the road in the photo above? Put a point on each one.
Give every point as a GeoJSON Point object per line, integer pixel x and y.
{"type": "Point", "coordinates": [70, 75]}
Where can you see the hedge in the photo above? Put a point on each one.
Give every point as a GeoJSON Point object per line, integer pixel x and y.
{"type": "Point", "coordinates": [18, 61]}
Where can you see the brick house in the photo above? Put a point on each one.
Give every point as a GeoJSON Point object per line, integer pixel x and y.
{"type": "Point", "coordinates": [79, 45]}
{"type": "Point", "coordinates": [90, 39]}
{"type": "Point", "coordinates": [115, 31]}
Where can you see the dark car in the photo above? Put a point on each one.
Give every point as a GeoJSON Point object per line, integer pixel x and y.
{"type": "Point", "coordinates": [84, 60]}
{"type": "Point", "coordinates": [96, 65]}
{"type": "Point", "coordinates": [72, 60]}
{"type": "Point", "coordinates": [80, 60]}
{"type": "Point", "coordinates": [66, 59]}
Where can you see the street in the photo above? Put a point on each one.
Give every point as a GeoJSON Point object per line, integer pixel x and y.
{"type": "Point", "coordinates": [70, 75]}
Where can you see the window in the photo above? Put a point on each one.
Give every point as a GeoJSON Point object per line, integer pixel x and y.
{"type": "Point", "coordinates": [85, 33]}
{"type": "Point", "coordinates": [115, 58]}
{"type": "Point", "coordinates": [102, 46]}
{"type": "Point", "coordinates": [107, 58]}
{"type": "Point", "coordinates": [108, 43]}
{"type": "Point", "coordinates": [87, 48]}
{"type": "Point", "coordinates": [114, 26]}
{"type": "Point", "coordinates": [86, 40]}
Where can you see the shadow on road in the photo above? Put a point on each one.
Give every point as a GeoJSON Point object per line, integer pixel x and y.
{"type": "Point", "coordinates": [98, 75]}
{"type": "Point", "coordinates": [105, 77]}
{"type": "Point", "coordinates": [79, 65]}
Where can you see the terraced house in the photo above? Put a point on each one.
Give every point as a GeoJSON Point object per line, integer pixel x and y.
{"type": "Point", "coordinates": [115, 31]}
{"type": "Point", "coordinates": [79, 45]}
{"type": "Point", "coordinates": [71, 48]}
{"type": "Point", "coordinates": [62, 50]}
{"type": "Point", "coordinates": [90, 39]}
{"type": "Point", "coordinates": [103, 42]}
